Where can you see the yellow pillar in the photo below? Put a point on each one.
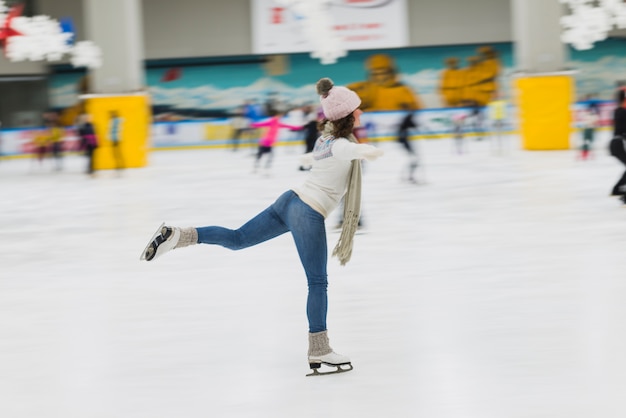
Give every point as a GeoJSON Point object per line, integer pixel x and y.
{"type": "Point", "coordinates": [544, 102]}
{"type": "Point", "coordinates": [134, 134]}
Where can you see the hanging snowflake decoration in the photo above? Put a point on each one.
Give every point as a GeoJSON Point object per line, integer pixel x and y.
{"type": "Point", "coordinates": [86, 54]}
{"type": "Point", "coordinates": [41, 38]}
{"type": "Point", "coordinates": [591, 20]}
{"type": "Point", "coordinates": [317, 27]}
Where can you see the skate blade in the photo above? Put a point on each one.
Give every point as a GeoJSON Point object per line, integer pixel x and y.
{"type": "Point", "coordinates": [340, 368]}
{"type": "Point", "coordinates": [158, 231]}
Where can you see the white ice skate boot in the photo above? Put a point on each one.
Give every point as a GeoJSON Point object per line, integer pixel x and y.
{"type": "Point", "coordinates": [321, 353]}
{"type": "Point", "coordinates": [167, 238]}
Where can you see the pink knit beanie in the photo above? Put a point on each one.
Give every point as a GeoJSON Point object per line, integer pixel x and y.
{"type": "Point", "coordinates": [337, 101]}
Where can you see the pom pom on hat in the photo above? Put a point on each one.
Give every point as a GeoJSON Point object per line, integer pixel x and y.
{"type": "Point", "coordinates": [337, 101]}
{"type": "Point", "coordinates": [323, 86]}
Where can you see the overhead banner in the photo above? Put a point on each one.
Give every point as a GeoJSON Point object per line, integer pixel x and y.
{"type": "Point", "coordinates": [361, 24]}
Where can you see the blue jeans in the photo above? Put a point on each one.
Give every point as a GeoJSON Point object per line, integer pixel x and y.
{"type": "Point", "coordinates": [287, 213]}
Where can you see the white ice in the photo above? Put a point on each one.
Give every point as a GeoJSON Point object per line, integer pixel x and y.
{"type": "Point", "coordinates": [496, 288]}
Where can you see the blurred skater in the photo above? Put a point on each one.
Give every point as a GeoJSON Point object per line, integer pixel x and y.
{"type": "Point", "coordinates": [458, 123]}
{"type": "Point", "coordinates": [116, 126]}
{"type": "Point", "coordinates": [41, 142]}
{"type": "Point", "coordinates": [588, 122]}
{"type": "Point", "coordinates": [240, 124]}
{"type": "Point", "coordinates": [54, 143]}
{"type": "Point", "coordinates": [476, 120]}
{"type": "Point", "coordinates": [311, 133]}
{"type": "Point", "coordinates": [56, 134]}
{"type": "Point", "coordinates": [253, 112]}
{"type": "Point", "coordinates": [497, 114]}
{"type": "Point", "coordinates": [336, 161]}
{"type": "Point", "coordinates": [267, 141]}
{"type": "Point", "coordinates": [617, 146]}
{"type": "Point", "coordinates": [88, 139]}
{"type": "Point", "coordinates": [404, 128]}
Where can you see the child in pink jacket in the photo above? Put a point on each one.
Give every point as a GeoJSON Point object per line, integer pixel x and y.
{"type": "Point", "coordinates": [267, 141]}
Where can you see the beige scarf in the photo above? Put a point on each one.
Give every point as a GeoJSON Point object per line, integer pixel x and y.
{"type": "Point", "coordinates": [351, 208]}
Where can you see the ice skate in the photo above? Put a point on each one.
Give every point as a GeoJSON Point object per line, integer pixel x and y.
{"type": "Point", "coordinates": [167, 238]}
{"type": "Point", "coordinates": [340, 363]}
{"type": "Point", "coordinates": [164, 239]}
{"type": "Point", "coordinates": [321, 353]}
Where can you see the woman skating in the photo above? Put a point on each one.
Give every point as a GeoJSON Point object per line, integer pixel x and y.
{"type": "Point", "coordinates": [336, 171]}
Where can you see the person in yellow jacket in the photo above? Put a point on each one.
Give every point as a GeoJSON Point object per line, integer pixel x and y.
{"type": "Point", "coordinates": [383, 91]}
{"type": "Point", "coordinates": [451, 83]}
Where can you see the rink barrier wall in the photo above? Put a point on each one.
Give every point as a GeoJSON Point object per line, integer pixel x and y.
{"type": "Point", "coordinates": [217, 133]}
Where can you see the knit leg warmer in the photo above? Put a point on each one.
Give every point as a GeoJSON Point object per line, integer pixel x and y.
{"type": "Point", "coordinates": [188, 236]}
{"type": "Point", "coordinates": [319, 344]}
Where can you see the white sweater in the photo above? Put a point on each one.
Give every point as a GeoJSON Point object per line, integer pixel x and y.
{"type": "Point", "coordinates": [328, 179]}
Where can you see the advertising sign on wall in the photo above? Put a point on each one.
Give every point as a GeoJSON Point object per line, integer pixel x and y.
{"type": "Point", "coordinates": [360, 24]}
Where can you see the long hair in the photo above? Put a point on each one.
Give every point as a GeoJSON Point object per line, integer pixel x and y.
{"type": "Point", "coordinates": [342, 128]}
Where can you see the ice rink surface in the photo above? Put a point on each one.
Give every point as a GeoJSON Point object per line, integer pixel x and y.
{"type": "Point", "coordinates": [495, 288]}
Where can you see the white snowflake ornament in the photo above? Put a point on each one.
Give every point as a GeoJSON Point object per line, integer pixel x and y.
{"type": "Point", "coordinates": [328, 56]}
{"type": "Point", "coordinates": [590, 21]}
{"type": "Point", "coordinates": [585, 26]}
{"type": "Point", "coordinates": [41, 38]}
{"type": "Point", "coordinates": [86, 54]}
